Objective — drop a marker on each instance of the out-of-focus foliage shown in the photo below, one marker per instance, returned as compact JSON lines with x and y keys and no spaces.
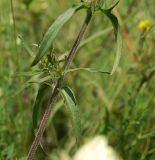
{"x":121,"y":106}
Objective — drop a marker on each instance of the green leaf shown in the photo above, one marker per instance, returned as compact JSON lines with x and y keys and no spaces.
{"x":41,"y":80}
{"x":86,"y":69}
{"x":38,"y":102}
{"x":74,"y":110}
{"x":118,"y":36}
{"x":53,"y":31}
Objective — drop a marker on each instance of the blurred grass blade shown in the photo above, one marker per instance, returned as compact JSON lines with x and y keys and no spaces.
{"x":27,"y":48}
{"x":53,"y":31}
{"x":38,"y":102}
{"x":8,"y":151}
{"x":19,"y":90}
{"x":27,"y":74}
{"x":86,"y":69}
{"x":88,"y":40}
{"x":118,"y":36}
{"x":31,"y":81}
{"x":71,"y":104}
{"x":106,"y":122}
{"x":95,"y":36}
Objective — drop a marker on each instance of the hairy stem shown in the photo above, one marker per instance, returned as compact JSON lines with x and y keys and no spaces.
{"x":56,"y":88}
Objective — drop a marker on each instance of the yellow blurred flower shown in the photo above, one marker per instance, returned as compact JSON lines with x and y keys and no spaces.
{"x":145,"y":25}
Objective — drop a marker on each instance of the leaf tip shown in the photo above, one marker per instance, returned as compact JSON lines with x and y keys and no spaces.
{"x":33,"y":63}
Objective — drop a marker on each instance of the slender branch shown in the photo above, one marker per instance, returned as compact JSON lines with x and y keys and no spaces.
{"x":146,"y":79}
{"x":58,"y":85}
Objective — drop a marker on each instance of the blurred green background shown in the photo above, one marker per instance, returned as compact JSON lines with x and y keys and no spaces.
{"x":121,"y":107}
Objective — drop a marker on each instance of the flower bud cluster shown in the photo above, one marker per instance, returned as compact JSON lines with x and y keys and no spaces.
{"x":95,"y":4}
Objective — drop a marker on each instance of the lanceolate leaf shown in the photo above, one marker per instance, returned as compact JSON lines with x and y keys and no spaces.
{"x":27,"y":74}
{"x":41,"y":80}
{"x":86,"y":69}
{"x":71,"y":104}
{"x":118,"y":37}
{"x":53,"y":31}
{"x":38,"y":102}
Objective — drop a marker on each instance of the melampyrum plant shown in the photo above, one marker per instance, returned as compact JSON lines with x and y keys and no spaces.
{"x":53,"y":70}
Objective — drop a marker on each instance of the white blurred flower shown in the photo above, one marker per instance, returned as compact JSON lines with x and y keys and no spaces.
{"x":18,"y":41}
{"x":96,"y":149}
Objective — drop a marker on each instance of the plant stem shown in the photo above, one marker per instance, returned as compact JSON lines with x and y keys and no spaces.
{"x":57,"y":86}
{"x":14,"y":30}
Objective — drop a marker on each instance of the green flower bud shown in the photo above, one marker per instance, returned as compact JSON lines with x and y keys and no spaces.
{"x":94,"y":4}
